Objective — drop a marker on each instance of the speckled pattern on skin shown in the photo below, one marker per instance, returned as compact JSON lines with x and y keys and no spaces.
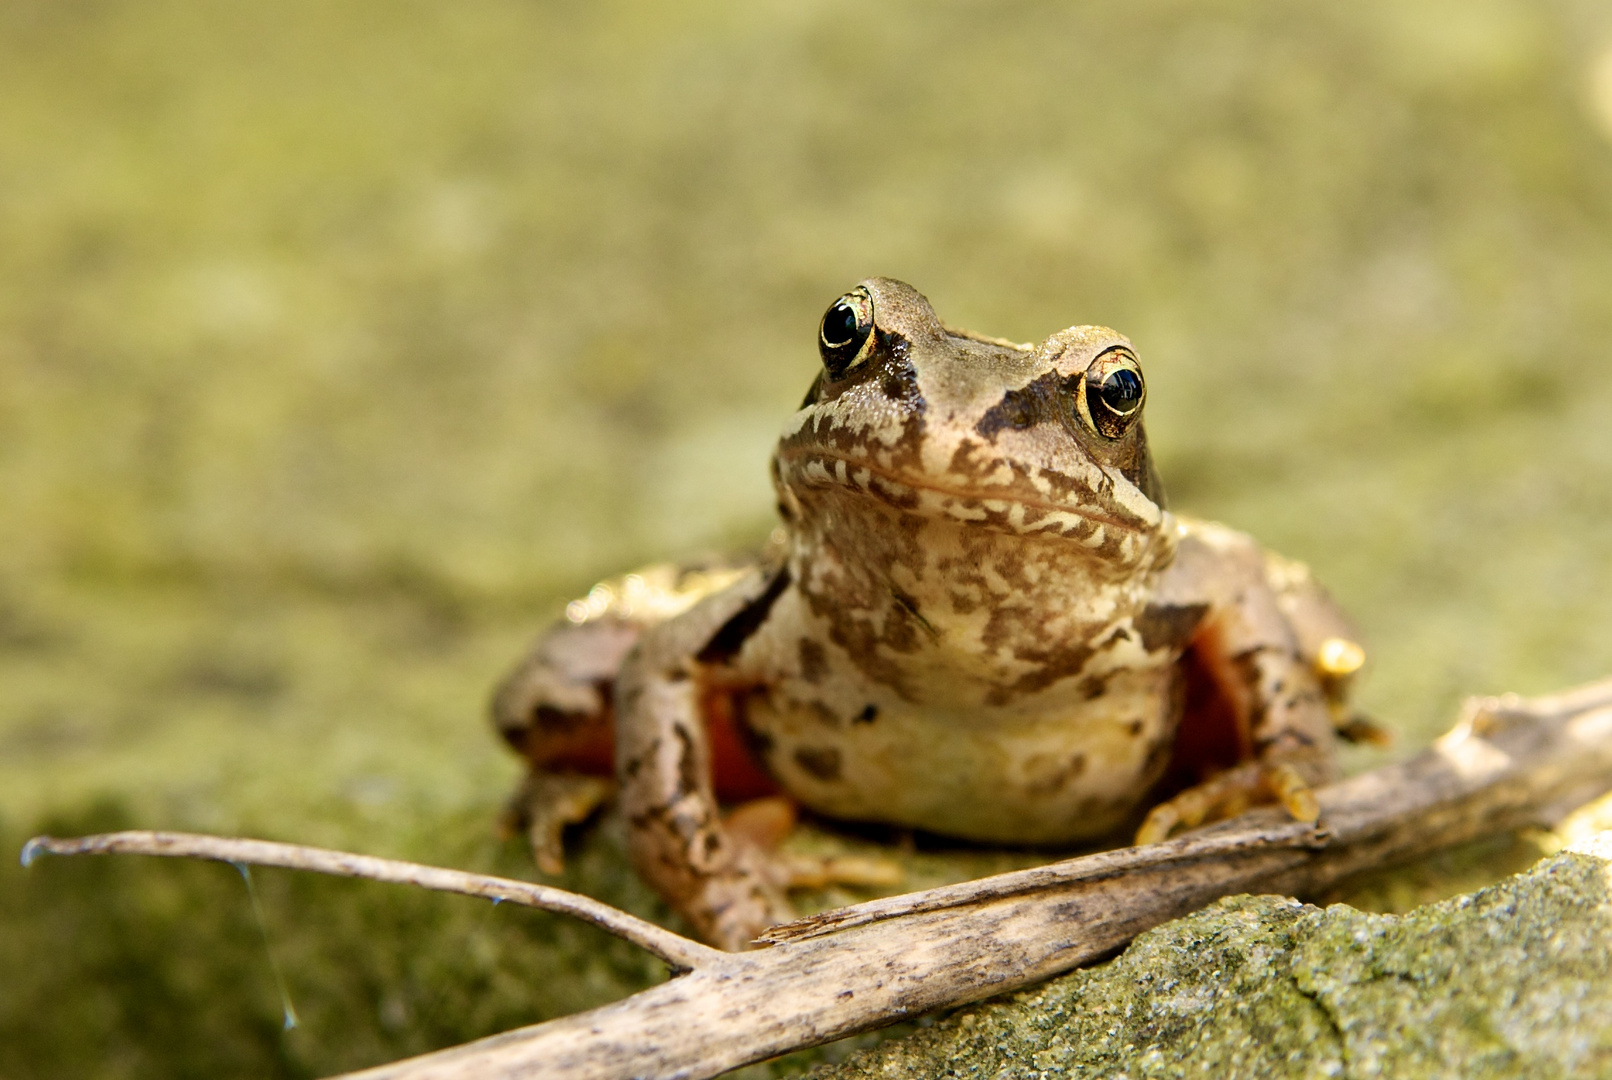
{"x":978,"y":619}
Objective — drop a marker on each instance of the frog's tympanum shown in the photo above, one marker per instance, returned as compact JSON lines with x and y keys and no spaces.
{"x":978,"y":619}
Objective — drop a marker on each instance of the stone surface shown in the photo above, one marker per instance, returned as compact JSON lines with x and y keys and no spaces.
{"x":1513,"y":980}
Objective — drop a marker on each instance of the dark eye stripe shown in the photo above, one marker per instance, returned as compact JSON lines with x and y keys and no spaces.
{"x":1023,"y":408}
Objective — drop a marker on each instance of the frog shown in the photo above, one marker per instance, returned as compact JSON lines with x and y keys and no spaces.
{"x":977,"y":618}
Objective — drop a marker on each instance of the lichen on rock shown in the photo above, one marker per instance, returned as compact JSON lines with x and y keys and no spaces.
{"x":1513,"y":980}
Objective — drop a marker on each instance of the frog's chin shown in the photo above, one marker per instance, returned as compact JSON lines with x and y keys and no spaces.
{"x":1016,"y":507}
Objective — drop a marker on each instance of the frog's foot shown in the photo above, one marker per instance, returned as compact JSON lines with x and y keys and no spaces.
{"x":1228,"y":794}
{"x":763,"y":824}
{"x":821,"y":871}
{"x":1357,"y":728}
{"x":545,"y":804}
{"x":733,"y":906}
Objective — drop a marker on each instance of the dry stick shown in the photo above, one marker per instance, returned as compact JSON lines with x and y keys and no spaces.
{"x":678,"y":951}
{"x":1506,"y":764}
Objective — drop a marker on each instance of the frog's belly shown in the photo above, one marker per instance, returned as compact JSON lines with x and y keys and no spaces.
{"x":1069,"y":772}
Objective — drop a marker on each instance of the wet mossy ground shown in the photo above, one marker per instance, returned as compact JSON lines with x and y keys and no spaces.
{"x":146,"y":968}
{"x":339,"y":344}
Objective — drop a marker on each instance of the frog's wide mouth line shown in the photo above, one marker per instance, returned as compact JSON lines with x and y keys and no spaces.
{"x":796,"y":457}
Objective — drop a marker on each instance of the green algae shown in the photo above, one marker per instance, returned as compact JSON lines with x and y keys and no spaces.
{"x":1514,"y":980}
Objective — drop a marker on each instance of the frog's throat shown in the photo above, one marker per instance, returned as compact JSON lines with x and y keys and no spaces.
{"x":857,"y":475}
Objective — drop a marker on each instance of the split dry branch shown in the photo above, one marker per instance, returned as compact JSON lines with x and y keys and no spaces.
{"x":1508,"y":763}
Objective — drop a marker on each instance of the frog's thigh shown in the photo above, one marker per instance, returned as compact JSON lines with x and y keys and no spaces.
{"x":1327,"y":640}
{"x":663,"y":763}
{"x":1309,"y":609}
{"x":554,"y":708}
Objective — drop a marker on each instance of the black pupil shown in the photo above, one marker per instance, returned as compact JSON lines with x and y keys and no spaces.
{"x":1122,"y":390}
{"x":839,"y":325}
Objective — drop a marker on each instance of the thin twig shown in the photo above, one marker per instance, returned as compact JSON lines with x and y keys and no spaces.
{"x":677,"y":951}
{"x":1506,"y":764}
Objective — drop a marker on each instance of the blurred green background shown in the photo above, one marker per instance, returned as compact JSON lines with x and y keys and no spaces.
{"x":341,"y":342}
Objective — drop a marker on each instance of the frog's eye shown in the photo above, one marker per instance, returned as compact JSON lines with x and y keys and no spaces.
{"x":1114,"y":393}
{"x":842,"y":338}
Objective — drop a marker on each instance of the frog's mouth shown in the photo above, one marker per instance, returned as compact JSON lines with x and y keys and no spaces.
{"x":1019,"y":505}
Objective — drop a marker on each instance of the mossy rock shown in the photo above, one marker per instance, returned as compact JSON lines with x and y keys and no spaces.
{"x":1513,"y":980}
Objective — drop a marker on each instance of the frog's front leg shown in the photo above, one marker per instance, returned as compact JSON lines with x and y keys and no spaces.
{"x":1259,"y":672}
{"x":663,"y":765}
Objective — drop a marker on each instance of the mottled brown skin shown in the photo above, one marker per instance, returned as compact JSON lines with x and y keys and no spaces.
{"x":979,"y":620}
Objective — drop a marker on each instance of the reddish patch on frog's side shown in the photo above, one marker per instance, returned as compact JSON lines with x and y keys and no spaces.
{"x":735,"y":772}
{"x":590,"y":749}
{"x":1213,"y":735}
{"x":574,"y":743}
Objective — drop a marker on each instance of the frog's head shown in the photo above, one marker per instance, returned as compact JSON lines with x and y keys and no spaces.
{"x":1039,"y":440}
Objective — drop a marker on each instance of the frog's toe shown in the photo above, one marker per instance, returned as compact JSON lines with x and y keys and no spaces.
{"x":820,"y":871}
{"x":1195,"y":805}
{"x":763,"y":824}
{"x":1159,"y":823}
{"x":1228,"y":794}
{"x":545,"y":804}
{"x":1357,"y":728}
{"x":1292,"y":791}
